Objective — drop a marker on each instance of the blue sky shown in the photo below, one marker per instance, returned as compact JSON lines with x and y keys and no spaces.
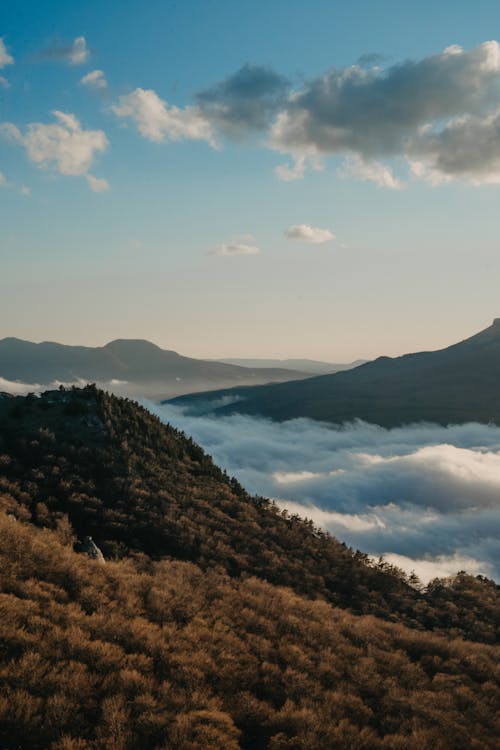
{"x":385,"y":241}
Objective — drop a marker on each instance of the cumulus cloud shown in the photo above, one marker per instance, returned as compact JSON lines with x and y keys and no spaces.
{"x":158,"y":121}
{"x":94,"y":80}
{"x":307,"y":233}
{"x":25,"y":190}
{"x":63,"y":145}
{"x":3,"y":180}
{"x":369,"y":171}
{"x":246,"y":101}
{"x":74,"y":53}
{"x":439,"y":114}
{"x":5,"y":58}
{"x":97,"y":184}
{"x":467,"y":147}
{"x":426,"y":497}
{"x":376,"y":112}
{"x":234,"y":247}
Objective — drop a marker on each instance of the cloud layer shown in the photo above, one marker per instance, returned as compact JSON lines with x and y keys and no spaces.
{"x":427,"y":497}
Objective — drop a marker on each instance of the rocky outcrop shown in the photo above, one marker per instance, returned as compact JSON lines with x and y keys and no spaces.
{"x":92,"y":550}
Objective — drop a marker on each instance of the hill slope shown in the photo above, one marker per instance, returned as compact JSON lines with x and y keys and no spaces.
{"x":163,"y":656}
{"x":453,"y":385}
{"x":210,"y":652}
{"x":138,"y":366}
{"x":138,"y":486}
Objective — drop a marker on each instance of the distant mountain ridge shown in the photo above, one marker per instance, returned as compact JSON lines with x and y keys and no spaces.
{"x":312,"y":366}
{"x":133,"y":361}
{"x":458,"y":384}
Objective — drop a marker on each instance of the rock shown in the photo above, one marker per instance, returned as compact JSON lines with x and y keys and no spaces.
{"x":92,"y":550}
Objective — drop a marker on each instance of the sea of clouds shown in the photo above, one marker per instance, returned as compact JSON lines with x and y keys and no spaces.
{"x":424,"y":496}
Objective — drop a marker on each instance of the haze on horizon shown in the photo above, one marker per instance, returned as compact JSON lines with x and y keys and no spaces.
{"x":253,"y":199}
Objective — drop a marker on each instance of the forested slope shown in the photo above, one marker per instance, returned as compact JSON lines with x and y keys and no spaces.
{"x":216,"y":621}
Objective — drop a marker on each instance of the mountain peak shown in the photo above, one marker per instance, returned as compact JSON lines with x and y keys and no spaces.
{"x":132,"y":344}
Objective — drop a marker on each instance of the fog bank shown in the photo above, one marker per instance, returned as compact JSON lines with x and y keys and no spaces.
{"x":427,"y":497}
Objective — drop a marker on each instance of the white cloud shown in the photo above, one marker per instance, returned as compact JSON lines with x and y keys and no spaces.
{"x":3,"y":180}
{"x":25,"y":190}
{"x":287,"y":173}
{"x":4,"y":82}
{"x":63,"y":145}
{"x":5,"y":58}
{"x":440,"y":566}
{"x":94,"y":80}
{"x":97,"y":184}
{"x":426,"y":497}
{"x":78,"y":53}
{"x":369,"y":171}
{"x":234,"y":248}
{"x":157,"y":121}
{"x":74,"y":53}
{"x":307,"y":233}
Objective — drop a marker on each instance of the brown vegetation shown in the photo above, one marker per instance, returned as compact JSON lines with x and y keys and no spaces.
{"x":143,"y":654}
{"x":187,"y":638}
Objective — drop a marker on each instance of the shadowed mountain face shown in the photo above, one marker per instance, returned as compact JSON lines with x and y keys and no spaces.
{"x":143,"y":367}
{"x":454,"y":385}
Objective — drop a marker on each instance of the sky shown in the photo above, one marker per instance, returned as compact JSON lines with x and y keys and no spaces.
{"x":280,"y":178}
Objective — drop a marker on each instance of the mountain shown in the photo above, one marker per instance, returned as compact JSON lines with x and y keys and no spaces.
{"x":138,"y":486}
{"x":453,"y":385}
{"x":311,"y":366}
{"x":214,"y":621}
{"x":131,"y":367}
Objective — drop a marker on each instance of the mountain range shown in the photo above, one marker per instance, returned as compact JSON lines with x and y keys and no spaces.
{"x":311,"y":366}
{"x":127,"y":366}
{"x":458,"y":384}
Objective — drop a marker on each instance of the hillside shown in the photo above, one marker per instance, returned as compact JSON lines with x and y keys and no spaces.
{"x":164,"y":656}
{"x":450,"y":386}
{"x":136,"y":485}
{"x":216,"y":621}
{"x":131,"y":367}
